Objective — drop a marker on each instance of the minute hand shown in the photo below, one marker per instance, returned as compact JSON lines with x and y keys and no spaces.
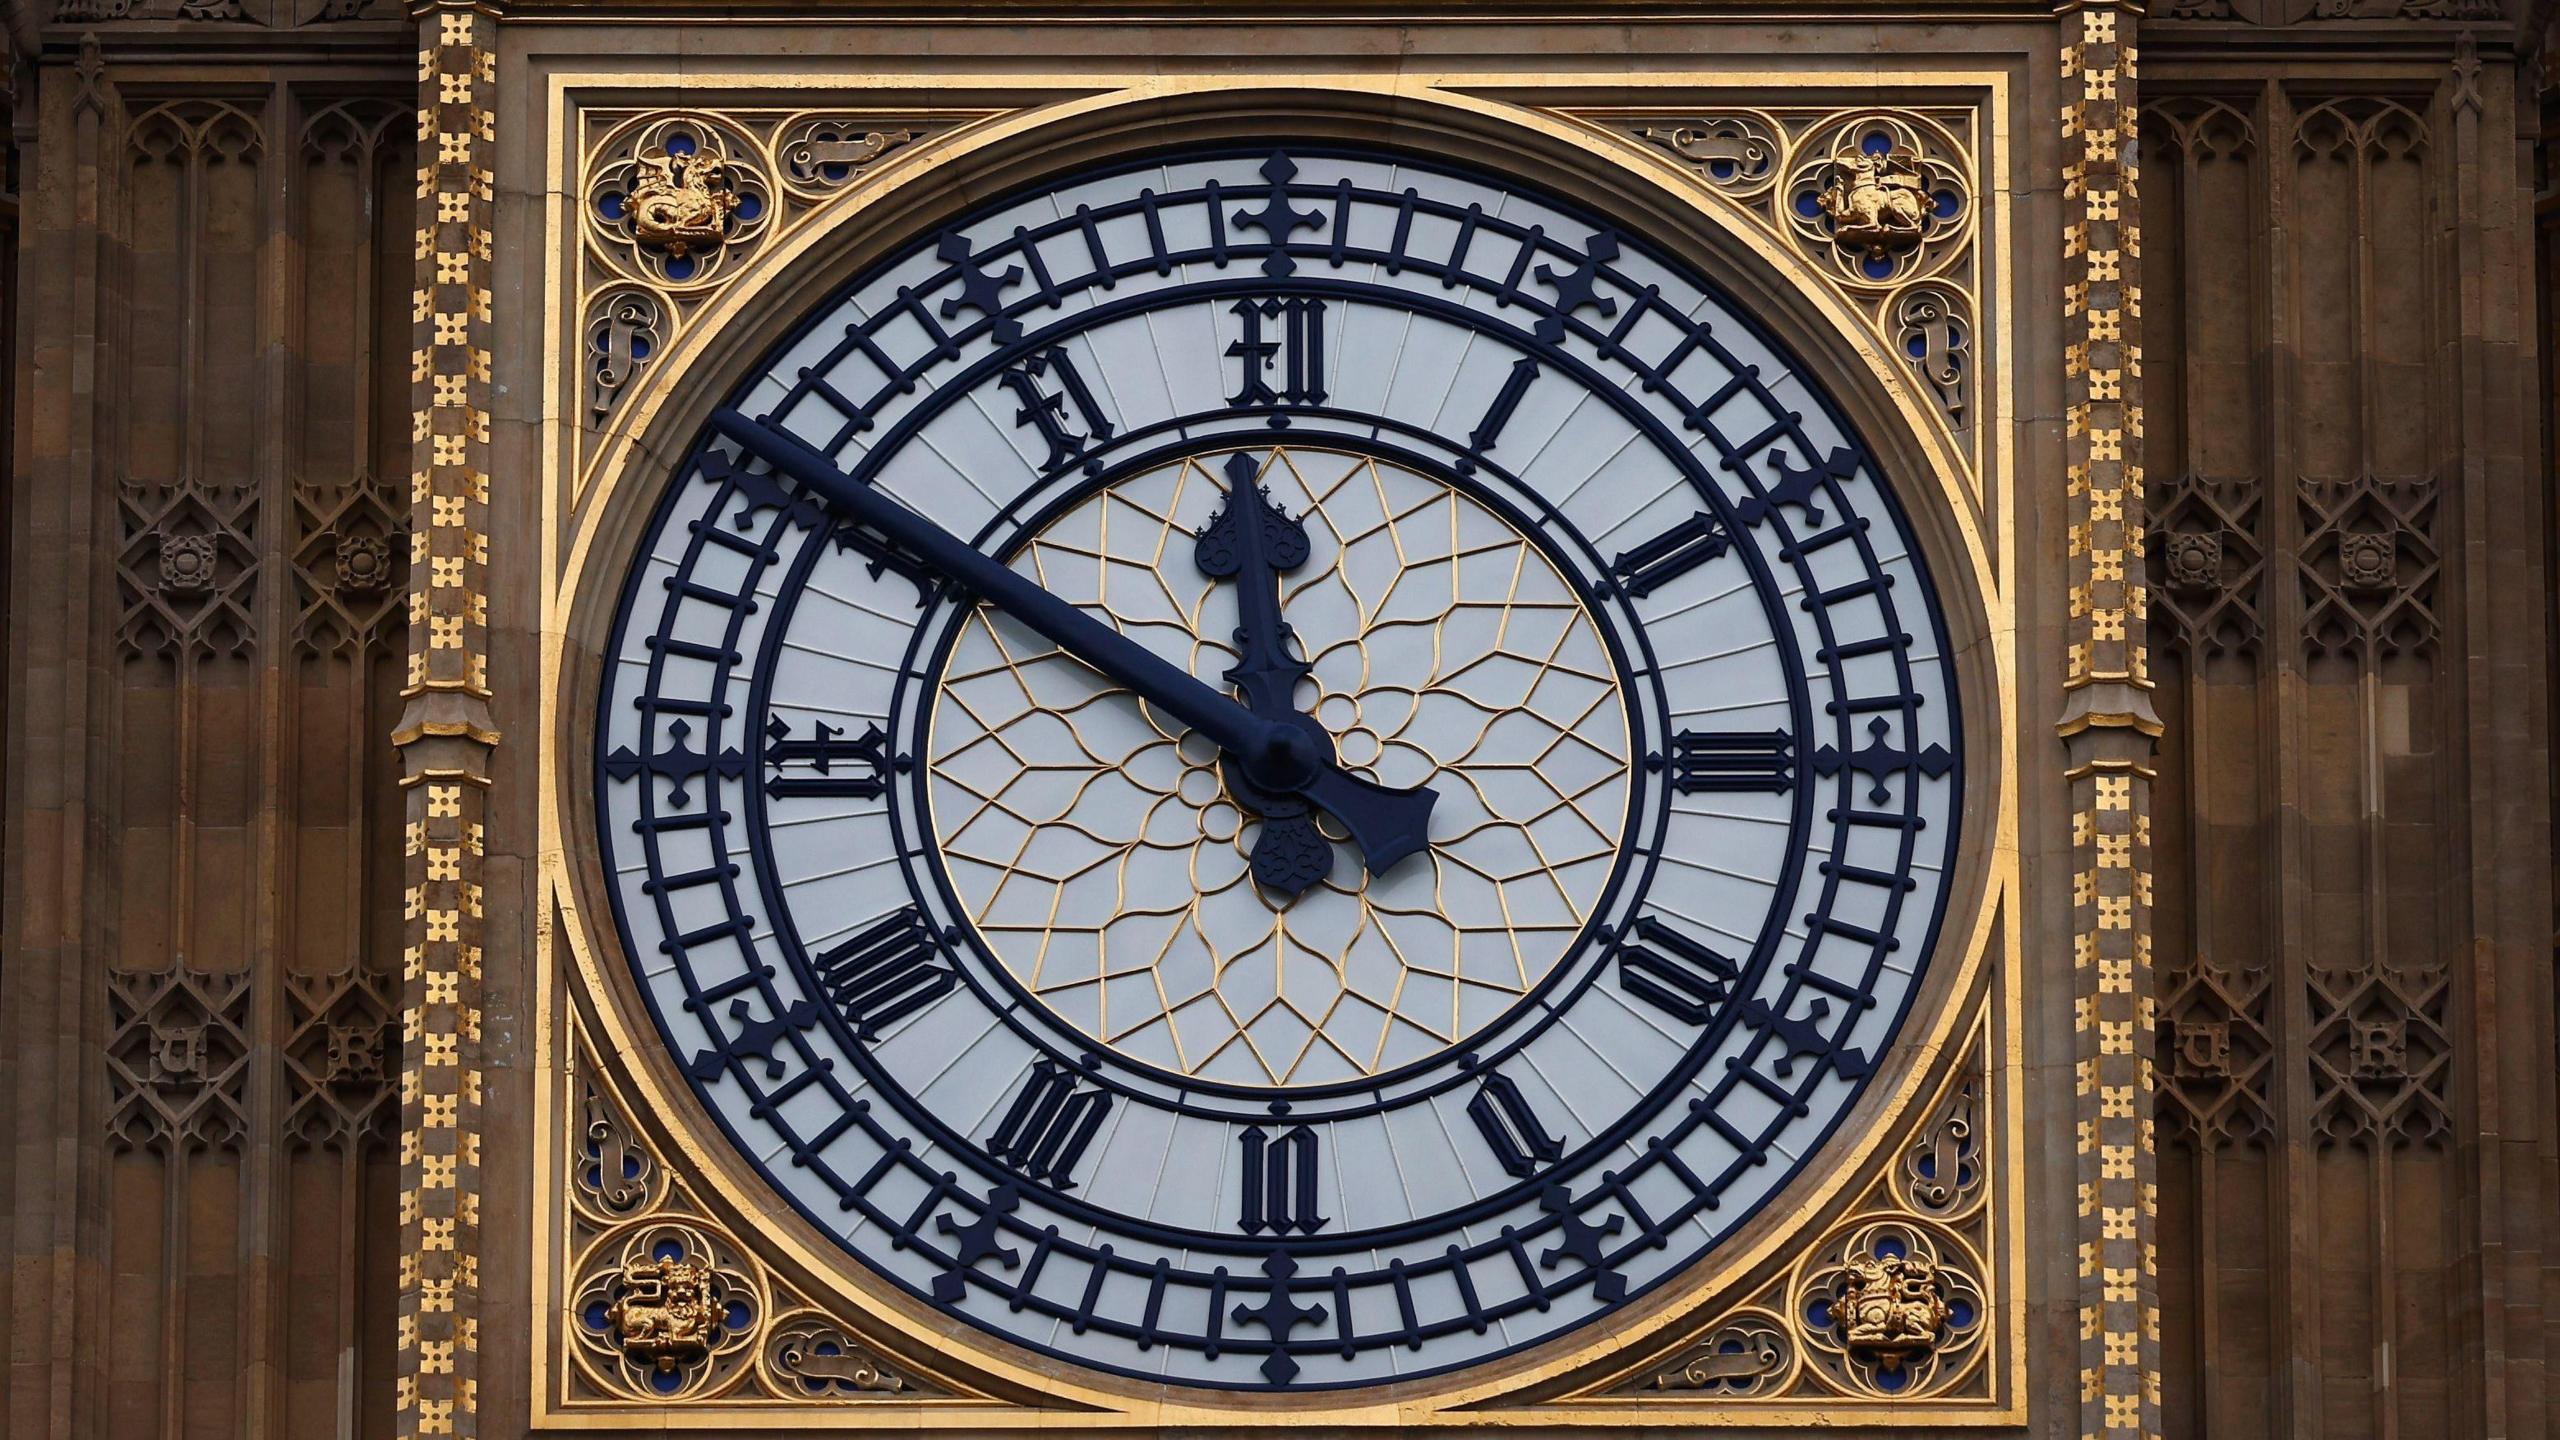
{"x":1386,"y":824}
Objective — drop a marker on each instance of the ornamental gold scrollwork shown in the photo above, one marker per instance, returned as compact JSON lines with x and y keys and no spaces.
{"x":675,"y":204}
{"x":662,"y":1304}
{"x":1749,"y":1354}
{"x":822,"y":155}
{"x":1880,"y":203}
{"x":1891,"y":1302}
{"x":808,"y":1356}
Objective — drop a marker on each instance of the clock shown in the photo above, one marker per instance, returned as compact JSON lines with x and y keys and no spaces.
{"x":1278,"y":769}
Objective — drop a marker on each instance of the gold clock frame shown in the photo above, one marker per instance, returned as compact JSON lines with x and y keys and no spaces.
{"x":1961,"y":1047}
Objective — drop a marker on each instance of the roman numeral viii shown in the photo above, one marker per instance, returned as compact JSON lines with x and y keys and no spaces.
{"x":1051,"y":1123}
{"x":1673,"y":553}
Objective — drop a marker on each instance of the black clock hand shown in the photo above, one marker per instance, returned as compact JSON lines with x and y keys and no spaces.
{"x":1250,"y":542}
{"x":1386,"y":824}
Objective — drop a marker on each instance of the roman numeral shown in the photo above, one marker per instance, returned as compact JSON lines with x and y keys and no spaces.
{"x":1520,"y":1143}
{"x":1703,"y":761}
{"x":1051,"y":1122}
{"x":827,"y":764}
{"x":1294,"y":354}
{"x":1667,"y":969}
{"x":1524,"y":373}
{"x":1673,"y":553}
{"x":886,"y":973}
{"x":1280,"y":1183}
{"x":1047,"y":412}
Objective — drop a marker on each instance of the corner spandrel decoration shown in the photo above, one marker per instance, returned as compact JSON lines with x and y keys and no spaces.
{"x":675,"y":204}
{"x":1881,"y":203}
{"x":665,"y":1305}
{"x":1890,"y":1302}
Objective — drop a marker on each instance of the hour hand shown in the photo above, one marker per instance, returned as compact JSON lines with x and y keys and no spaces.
{"x":1250,"y":542}
{"x":1253,"y":544}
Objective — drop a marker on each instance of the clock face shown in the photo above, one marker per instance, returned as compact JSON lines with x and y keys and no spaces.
{"x":1135,"y":1035}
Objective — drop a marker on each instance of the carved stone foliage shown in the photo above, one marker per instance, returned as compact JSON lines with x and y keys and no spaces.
{"x":676,"y":203}
{"x":664,"y":1305}
{"x":177,"y":1059}
{"x":188,"y":570}
{"x":2368,"y":568}
{"x":1882,"y":203}
{"x":350,"y":567}
{"x":341,"y":1048}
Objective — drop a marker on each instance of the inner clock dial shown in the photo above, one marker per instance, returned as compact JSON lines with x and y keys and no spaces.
{"x":1099,"y":847}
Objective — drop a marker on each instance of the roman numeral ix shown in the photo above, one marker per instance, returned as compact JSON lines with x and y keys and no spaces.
{"x":826,"y":764}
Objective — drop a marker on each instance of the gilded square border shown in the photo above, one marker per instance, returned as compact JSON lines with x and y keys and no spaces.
{"x":1582,"y":1388}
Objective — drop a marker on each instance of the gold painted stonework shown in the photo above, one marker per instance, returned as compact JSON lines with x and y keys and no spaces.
{"x":663,"y":1314}
{"x":676,"y":203}
{"x":1878,"y":201}
{"x":1730,"y":1349}
{"x":1893,"y":1307}
{"x":1881,"y":203}
{"x":667,"y":1305}
{"x":682,"y":202}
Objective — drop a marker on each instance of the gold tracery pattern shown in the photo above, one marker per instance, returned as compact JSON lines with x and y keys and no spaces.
{"x":1098,"y":853}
